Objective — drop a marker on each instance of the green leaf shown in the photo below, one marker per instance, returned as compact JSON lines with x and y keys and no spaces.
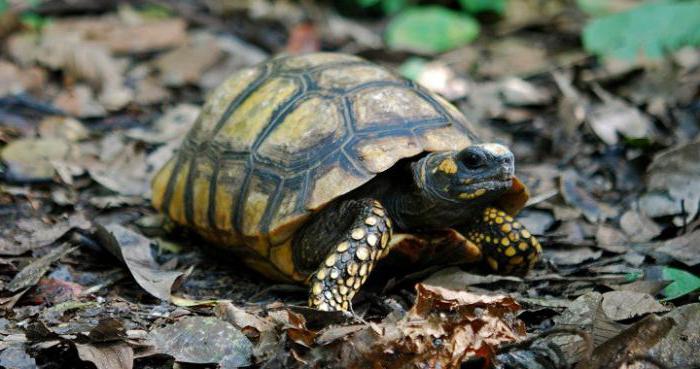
{"x":393,"y":6}
{"x":683,"y":282}
{"x":412,"y":67}
{"x":430,"y":29}
{"x":649,"y":30}
{"x":4,"y":6}
{"x":33,"y":21}
{"x":367,"y":3}
{"x":480,"y":6}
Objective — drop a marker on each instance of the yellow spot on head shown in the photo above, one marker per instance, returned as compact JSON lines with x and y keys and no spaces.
{"x":523,"y":246}
{"x":334,"y":273}
{"x":499,"y":220}
{"x":321,"y":274}
{"x":510,"y":251}
{"x":505,"y":228}
{"x":330,"y":261}
{"x":513,"y":236}
{"x":370,"y":221}
{"x":343,"y":290}
{"x":505,"y":242}
{"x":516,"y":260}
{"x":352,"y":268}
{"x":317,"y":288}
{"x":448,"y":166}
{"x":480,"y":192}
{"x":525,"y":233}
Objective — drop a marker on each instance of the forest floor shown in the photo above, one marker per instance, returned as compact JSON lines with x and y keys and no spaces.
{"x":95,"y":97}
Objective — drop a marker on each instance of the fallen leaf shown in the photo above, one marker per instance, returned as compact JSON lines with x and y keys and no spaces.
{"x":125,"y":172}
{"x":31,"y":233}
{"x":172,"y":125}
{"x":15,"y":357}
{"x":572,"y":256}
{"x":621,"y":305}
{"x":116,"y":355}
{"x":456,"y":279}
{"x":32,"y":273}
{"x":135,"y":250}
{"x":66,"y":128}
{"x":635,"y":340}
{"x":518,"y":92}
{"x":29,"y":159}
{"x":677,"y":282}
{"x":685,"y":248}
{"x":577,"y":196}
{"x":79,"y":101}
{"x":611,"y":239}
{"x":187,"y":63}
{"x":430,"y":29}
{"x":672,"y":179}
{"x":615,"y":117}
{"x":443,"y":329}
{"x":679,"y":347}
{"x":513,"y":56}
{"x":203,"y":340}
{"x":303,"y":38}
{"x":436,"y":76}
{"x":15,"y":80}
{"x":54,"y":291}
{"x":125,"y":36}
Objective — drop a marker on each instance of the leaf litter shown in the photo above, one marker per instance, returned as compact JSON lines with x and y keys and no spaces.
{"x":94,"y":103}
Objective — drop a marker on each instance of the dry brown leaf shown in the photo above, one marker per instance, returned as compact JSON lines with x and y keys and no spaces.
{"x":115,"y":355}
{"x":621,"y":305}
{"x":443,"y":329}
{"x":29,"y":160}
{"x":135,"y":250}
{"x":121,"y":36}
{"x":31,"y":233}
{"x":203,"y":340}
{"x":672,"y":183}
{"x":187,"y":63}
{"x":685,"y":248}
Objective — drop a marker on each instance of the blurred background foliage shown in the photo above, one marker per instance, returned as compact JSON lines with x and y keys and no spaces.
{"x":621,"y":29}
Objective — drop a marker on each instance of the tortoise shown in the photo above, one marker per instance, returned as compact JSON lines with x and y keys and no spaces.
{"x":306,"y":165}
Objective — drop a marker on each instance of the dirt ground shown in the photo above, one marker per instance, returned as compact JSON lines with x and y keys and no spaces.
{"x":95,"y":96}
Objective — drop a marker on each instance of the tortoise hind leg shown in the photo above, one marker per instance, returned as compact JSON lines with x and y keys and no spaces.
{"x":506,"y":246}
{"x":349,"y":238}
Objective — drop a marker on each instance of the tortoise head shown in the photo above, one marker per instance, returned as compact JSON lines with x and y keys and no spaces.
{"x":474,"y":176}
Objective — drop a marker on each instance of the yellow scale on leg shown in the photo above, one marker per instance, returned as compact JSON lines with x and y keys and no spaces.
{"x":349,"y":263}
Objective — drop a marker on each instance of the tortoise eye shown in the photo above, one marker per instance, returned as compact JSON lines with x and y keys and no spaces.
{"x":473,"y":159}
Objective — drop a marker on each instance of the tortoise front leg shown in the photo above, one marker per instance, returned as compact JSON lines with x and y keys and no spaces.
{"x":351,"y":237}
{"x":506,"y":246}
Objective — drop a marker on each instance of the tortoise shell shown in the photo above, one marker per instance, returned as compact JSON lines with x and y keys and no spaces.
{"x":278,"y":141}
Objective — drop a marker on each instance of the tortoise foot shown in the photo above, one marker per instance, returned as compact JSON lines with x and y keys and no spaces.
{"x":506,"y":246}
{"x":348,"y":264}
